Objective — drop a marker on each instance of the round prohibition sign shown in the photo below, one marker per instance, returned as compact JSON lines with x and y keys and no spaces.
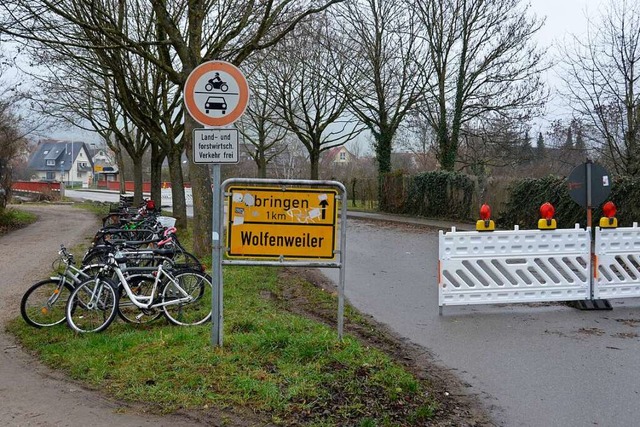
{"x":216,"y":93}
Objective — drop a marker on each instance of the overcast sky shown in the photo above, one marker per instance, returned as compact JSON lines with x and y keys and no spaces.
{"x":562,"y":19}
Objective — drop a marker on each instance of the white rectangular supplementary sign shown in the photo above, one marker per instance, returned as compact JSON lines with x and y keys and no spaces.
{"x":215,"y":146}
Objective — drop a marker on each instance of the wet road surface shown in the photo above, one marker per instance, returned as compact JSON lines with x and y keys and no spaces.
{"x":531,"y":364}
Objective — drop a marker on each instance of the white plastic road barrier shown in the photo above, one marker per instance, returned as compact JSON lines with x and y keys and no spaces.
{"x":514,"y":266}
{"x":617,"y":252}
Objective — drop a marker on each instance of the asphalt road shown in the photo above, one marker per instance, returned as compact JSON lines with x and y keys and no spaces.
{"x":531,"y":365}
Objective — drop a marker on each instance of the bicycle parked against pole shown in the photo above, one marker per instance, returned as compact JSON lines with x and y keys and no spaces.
{"x":44,"y":303}
{"x":182,"y":295}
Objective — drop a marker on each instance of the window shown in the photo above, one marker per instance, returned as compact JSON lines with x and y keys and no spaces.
{"x":51,"y":162}
{"x":51,"y":175}
{"x":343,"y":156}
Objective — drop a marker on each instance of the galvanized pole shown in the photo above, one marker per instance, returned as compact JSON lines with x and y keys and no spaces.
{"x":343,"y":255}
{"x":588,"y":179}
{"x":216,"y":261}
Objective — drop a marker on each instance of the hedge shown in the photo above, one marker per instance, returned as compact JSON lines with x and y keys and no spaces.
{"x":527,"y":195}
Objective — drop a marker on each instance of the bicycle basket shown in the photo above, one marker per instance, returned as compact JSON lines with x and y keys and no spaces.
{"x":166,"y":221}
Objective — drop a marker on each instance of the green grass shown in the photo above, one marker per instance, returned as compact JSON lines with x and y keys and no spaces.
{"x":12,"y":219}
{"x":287,"y":368}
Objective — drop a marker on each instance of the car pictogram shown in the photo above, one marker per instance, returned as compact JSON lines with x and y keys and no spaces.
{"x":215,"y":103}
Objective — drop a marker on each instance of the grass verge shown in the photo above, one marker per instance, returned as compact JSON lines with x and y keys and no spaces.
{"x":13,"y":219}
{"x":288,"y":368}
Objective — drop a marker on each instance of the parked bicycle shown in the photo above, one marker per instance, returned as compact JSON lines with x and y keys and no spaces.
{"x":180,"y":257}
{"x":43,"y":304}
{"x":182,"y":295}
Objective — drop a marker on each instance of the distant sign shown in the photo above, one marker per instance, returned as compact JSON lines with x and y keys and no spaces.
{"x":600,"y":184}
{"x":296,"y":223}
{"x":216,"y":93}
{"x":215,"y":146}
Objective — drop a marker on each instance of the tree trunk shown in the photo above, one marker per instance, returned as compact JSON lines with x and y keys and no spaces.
{"x":314,"y":159}
{"x":177,"y":189}
{"x":383,"y":155}
{"x":137,"y":180}
{"x":202,"y":197}
{"x":448,"y":150}
{"x":262,"y":165}
{"x":120,"y":163}
{"x":353,"y":192}
{"x":157,"y":157}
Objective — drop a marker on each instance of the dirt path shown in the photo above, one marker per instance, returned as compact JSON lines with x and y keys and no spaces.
{"x":31,"y":394}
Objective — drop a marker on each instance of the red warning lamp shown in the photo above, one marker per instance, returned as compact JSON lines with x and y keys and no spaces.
{"x":485,"y":223}
{"x":609,"y":209}
{"x":609,"y":219}
{"x":485,"y":212}
{"x":546,"y":212}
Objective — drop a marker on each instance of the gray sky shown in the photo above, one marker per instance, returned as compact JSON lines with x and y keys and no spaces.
{"x":564,"y":18}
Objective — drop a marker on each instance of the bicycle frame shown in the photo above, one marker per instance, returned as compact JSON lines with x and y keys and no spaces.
{"x":146,"y":301}
{"x":72,"y":276}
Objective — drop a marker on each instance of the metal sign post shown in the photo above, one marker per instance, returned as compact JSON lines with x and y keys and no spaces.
{"x":589,"y":184}
{"x":216,"y":260}
{"x":587,"y":166}
{"x":216,"y":94}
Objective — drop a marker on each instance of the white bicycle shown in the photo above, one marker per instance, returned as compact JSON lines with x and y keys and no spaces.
{"x":183,"y":296}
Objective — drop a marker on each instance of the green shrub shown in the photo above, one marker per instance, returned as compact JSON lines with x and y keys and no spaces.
{"x":440,"y":194}
{"x":527,"y":195}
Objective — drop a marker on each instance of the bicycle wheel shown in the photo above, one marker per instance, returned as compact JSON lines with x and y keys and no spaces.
{"x":92,"y":305}
{"x":185,"y":260}
{"x":98,"y":255}
{"x":131,"y":313}
{"x":45,"y":302}
{"x":198,"y":287}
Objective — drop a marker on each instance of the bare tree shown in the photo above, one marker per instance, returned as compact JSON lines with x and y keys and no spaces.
{"x":261,"y":128}
{"x":14,"y":129}
{"x":384,"y":80}
{"x":292,"y":161}
{"x":498,"y":145}
{"x":309,"y":100}
{"x":88,"y":81}
{"x":12,"y":145}
{"x":602,"y":76}
{"x":485,"y":66}
{"x":193,"y":30}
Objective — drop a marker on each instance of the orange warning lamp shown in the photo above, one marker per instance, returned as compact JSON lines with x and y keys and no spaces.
{"x":609,"y":219}
{"x":485,"y":223}
{"x":547,"y":222}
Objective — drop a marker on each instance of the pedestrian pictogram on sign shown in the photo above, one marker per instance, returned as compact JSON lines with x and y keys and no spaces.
{"x":268,"y":222}
{"x":216,"y":93}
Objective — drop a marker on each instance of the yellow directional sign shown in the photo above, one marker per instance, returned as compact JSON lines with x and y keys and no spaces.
{"x":265,"y":222}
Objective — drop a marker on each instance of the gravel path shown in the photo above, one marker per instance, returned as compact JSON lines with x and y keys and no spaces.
{"x":31,"y":394}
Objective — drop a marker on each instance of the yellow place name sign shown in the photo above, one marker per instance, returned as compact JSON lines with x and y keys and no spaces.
{"x":296,"y":223}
